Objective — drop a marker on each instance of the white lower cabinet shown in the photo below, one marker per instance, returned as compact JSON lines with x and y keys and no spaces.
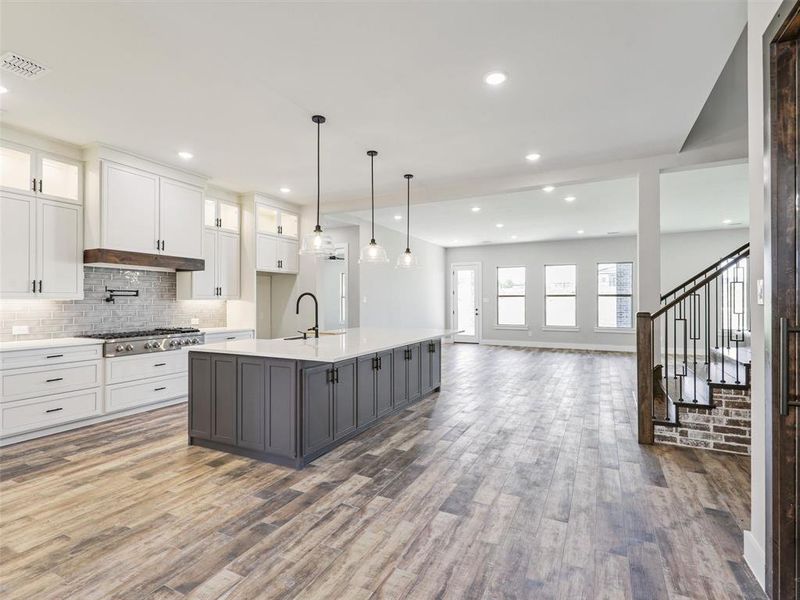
{"x":123,"y":396}
{"x":221,"y":278}
{"x":135,"y":368}
{"x":17,"y":384}
{"x":48,"y":411}
{"x":229,"y":336}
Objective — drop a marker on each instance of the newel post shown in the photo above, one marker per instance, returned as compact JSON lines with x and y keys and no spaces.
{"x":644,"y":377}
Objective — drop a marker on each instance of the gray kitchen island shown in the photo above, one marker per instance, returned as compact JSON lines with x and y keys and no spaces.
{"x":291,"y":401}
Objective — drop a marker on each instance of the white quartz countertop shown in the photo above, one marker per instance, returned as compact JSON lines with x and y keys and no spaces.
{"x":213,"y":330}
{"x":329,"y":348}
{"x":64,"y":342}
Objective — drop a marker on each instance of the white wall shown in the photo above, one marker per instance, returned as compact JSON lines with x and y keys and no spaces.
{"x":683,"y":255}
{"x":393,"y":297}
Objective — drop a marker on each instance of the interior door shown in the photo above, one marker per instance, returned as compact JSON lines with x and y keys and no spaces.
{"x":59,"y":249}
{"x":228,"y":264}
{"x":17,"y":245}
{"x":181,"y":210}
{"x":130,"y":218}
{"x":466,"y":296}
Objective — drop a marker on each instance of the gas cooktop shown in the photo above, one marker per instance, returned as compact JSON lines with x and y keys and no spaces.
{"x":161,"y":339}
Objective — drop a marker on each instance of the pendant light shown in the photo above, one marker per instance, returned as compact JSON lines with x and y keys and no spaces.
{"x":407,"y":260}
{"x":373,"y":252}
{"x":317,"y":243}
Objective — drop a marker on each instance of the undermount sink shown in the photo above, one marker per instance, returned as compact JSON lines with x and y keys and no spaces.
{"x":311,"y":334}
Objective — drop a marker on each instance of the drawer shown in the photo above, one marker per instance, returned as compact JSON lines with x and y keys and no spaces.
{"x":16,"y":384}
{"x":38,"y":413}
{"x":215,"y":338}
{"x":129,"y":395}
{"x":143,"y":366}
{"x":49,"y":356}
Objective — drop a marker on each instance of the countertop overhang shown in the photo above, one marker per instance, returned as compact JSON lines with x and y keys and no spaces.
{"x":328,"y":348}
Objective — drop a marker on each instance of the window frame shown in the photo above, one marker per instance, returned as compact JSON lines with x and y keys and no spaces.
{"x":603,"y":329}
{"x":545,"y":326}
{"x":497,"y":296}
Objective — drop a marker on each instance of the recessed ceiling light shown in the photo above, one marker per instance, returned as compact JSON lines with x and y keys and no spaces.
{"x":398,"y":217}
{"x":476,"y":209}
{"x":580,"y":231}
{"x":499,"y":225}
{"x":3,"y":90}
{"x":185,"y":155}
{"x":533,"y":157}
{"x":285,"y":190}
{"x":569,"y":198}
{"x":727,"y":221}
{"x":513,"y":237}
{"x":495,"y":78}
{"x":548,"y":188}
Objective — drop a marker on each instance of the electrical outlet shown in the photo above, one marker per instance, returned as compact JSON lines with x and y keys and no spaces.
{"x":195,"y":321}
{"x":20,"y":330}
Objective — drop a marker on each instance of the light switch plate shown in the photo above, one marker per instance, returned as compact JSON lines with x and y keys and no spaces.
{"x":20,"y":330}
{"x":195,"y":321}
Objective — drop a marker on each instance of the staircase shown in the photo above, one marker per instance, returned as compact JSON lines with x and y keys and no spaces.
{"x":693,"y":357}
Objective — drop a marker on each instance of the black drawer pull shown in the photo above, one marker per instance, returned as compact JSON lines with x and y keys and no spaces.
{"x":158,"y":389}
{"x":54,"y":379}
{"x":55,"y":356}
{"x":160,"y":365}
{"x":49,"y":410}
{"x":233,"y":337}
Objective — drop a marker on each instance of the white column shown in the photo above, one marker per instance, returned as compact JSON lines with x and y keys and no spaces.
{"x":648,"y":241}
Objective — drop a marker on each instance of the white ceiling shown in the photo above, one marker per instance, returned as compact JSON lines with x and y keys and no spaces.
{"x":237,"y":83}
{"x":694,"y":200}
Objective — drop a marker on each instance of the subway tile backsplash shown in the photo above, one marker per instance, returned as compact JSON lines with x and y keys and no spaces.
{"x":155,"y":306}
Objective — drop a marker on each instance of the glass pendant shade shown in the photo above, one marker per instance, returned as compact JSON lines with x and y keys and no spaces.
{"x":373,"y":253}
{"x":317,"y":243}
{"x":407,"y":260}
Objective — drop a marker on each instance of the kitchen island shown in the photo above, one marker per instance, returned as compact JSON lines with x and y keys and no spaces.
{"x":291,"y":401}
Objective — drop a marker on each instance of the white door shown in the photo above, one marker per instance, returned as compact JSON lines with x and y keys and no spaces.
{"x":204,"y":283}
{"x":266,"y":253}
{"x":287,"y":255}
{"x":17,"y":246}
{"x":16,"y":168}
{"x":181,"y":219}
{"x":466,"y":296}
{"x":228,"y":264}
{"x":59,"y":250}
{"x":130,"y":204}
{"x":60,"y":178}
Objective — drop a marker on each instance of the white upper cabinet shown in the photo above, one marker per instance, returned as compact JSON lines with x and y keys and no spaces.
{"x":289,"y":224}
{"x":41,"y":248}
{"x":266,"y":219}
{"x":180,"y":219}
{"x":130,"y":205}
{"x":277,"y":230}
{"x":287,"y":256}
{"x":221,"y":277}
{"x":228,"y":270}
{"x":222,"y":214}
{"x":24,"y":169}
{"x":266,"y":252}
{"x":210,"y":212}
{"x":204,"y":283}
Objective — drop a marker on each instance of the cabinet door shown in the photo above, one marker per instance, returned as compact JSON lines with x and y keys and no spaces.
{"x":383,"y":383}
{"x":413,"y":373}
{"x":181,"y":219}
{"x":344,"y":398}
{"x":317,"y":408}
{"x":59,"y":249}
{"x":266,"y":253}
{"x":130,"y":209}
{"x":209,"y":212}
{"x":229,"y":216}
{"x":281,"y":420}
{"x":365,"y":390}
{"x":200,"y":395}
{"x":266,"y":219}
{"x":287,"y":255}
{"x":436,"y":364}
{"x":17,"y":245}
{"x":223,"y":407}
{"x":425,"y":367}
{"x":290,"y":224}
{"x":252,"y":396}
{"x":399,"y":382}
{"x":16,"y":168}
{"x":204,"y":283}
{"x":60,"y":177}
{"x":228,"y":264}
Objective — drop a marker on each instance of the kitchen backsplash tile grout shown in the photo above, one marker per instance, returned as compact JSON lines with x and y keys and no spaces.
{"x":156,"y":306}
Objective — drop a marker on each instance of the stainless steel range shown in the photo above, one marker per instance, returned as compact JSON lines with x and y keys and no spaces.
{"x":126,"y":343}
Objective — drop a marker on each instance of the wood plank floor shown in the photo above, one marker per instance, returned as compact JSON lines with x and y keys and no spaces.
{"x":521,"y":479}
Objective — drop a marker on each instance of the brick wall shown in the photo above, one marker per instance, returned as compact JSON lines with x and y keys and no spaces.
{"x":725,"y":428}
{"x":156,"y":306}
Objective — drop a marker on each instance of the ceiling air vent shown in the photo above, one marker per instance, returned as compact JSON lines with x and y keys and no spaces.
{"x":21,"y":66}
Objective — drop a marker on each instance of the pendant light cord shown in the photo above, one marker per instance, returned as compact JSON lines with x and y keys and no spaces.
{"x":372,"y":185}
{"x":318,"y":124}
{"x":408,"y":213}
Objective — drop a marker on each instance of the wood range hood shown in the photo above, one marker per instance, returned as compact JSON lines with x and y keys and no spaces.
{"x":124,"y":258}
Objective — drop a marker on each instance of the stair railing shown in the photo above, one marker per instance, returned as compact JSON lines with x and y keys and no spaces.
{"x":705,"y":322}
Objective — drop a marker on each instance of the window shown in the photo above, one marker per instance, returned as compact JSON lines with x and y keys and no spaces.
{"x":511,"y":295}
{"x":560,"y":305}
{"x":614,"y":295}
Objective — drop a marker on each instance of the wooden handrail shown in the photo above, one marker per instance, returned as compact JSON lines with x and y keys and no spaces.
{"x":716,"y":265}
{"x":695,"y":287}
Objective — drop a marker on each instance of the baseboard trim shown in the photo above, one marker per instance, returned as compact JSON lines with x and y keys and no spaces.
{"x":559,"y":345}
{"x":755,"y":558}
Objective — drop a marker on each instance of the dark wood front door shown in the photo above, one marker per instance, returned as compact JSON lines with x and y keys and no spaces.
{"x":782,"y":317}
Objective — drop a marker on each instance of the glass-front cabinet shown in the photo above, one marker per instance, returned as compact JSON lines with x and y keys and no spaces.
{"x":277,"y":230}
{"x":276,"y":221}
{"x":222,"y":214}
{"x":32,"y":171}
